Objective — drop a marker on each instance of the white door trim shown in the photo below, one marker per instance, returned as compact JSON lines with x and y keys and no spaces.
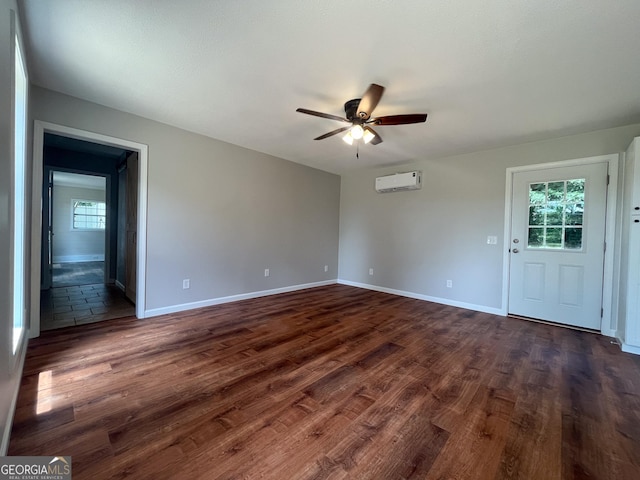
{"x":40,"y":128}
{"x":607,"y":326}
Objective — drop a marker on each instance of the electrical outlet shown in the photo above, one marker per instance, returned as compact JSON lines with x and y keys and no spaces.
{"x":492,"y":240}
{"x":326,"y":268}
{"x":186,"y":283}
{"x":449,"y":283}
{"x":371,"y":271}
{"x":266,"y":272}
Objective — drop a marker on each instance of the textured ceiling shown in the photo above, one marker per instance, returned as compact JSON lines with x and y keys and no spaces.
{"x":488,"y":72}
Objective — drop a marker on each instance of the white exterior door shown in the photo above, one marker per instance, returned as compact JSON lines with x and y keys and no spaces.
{"x":557,"y":244}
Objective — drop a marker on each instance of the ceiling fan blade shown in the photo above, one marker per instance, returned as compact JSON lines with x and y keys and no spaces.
{"x":369,"y":101}
{"x":323,"y":115}
{"x":400,"y":119}
{"x":376,"y":138}
{"x":334,"y":132}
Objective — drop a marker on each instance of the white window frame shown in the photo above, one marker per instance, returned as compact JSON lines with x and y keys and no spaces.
{"x":76,"y":229}
{"x":564,"y":226}
{"x":20,"y":109}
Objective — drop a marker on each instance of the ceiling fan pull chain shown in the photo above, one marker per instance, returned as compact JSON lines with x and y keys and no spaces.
{"x":358,"y":149}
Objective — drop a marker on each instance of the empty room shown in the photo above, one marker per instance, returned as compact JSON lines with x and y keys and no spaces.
{"x":307,"y":240}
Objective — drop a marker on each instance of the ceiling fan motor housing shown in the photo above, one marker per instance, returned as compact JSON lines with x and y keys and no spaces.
{"x":351,"y":109}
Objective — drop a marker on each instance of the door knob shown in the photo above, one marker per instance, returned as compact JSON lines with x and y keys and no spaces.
{"x":515,"y":250}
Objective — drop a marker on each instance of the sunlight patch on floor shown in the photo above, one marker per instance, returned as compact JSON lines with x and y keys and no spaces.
{"x":45,"y":385}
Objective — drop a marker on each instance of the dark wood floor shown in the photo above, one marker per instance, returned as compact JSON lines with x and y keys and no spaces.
{"x":333,"y":382}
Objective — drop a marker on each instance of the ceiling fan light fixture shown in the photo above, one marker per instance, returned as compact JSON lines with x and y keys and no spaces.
{"x":367,"y":136}
{"x":348,"y":138}
{"x":358,"y":115}
{"x":357,"y":132}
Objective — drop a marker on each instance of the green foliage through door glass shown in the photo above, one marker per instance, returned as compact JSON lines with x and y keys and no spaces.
{"x":556,"y":213}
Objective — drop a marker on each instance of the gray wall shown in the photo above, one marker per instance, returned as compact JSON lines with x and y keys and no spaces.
{"x":417,"y":240}
{"x":70,"y":245}
{"x":218,"y":214}
{"x":10,"y":364}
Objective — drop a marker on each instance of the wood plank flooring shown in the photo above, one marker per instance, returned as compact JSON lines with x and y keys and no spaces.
{"x":331,"y":383}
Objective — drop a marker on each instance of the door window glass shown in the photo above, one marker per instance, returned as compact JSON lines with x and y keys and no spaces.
{"x":556,"y":210}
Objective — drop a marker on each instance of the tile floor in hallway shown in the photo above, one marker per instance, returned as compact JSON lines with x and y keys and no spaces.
{"x":66,"y":306}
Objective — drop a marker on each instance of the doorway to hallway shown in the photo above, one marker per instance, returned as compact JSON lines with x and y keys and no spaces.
{"x":82,"y":225}
{"x":38,"y":259}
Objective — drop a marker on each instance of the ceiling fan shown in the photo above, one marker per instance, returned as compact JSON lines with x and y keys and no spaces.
{"x":358,"y":114}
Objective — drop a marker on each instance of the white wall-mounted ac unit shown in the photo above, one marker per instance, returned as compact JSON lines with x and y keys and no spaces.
{"x":399,"y":181}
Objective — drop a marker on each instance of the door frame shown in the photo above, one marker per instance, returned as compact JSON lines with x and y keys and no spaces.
{"x":40,"y":128}
{"x":609,"y":306}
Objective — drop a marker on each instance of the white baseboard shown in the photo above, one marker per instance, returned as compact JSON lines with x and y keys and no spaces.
{"x":78,"y":258}
{"x":263,"y":293}
{"x":154,"y":312}
{"x":419,"y":296}
{"x":119,"y":285}
{"x":625,"y":347}
{"x":630,"y":348}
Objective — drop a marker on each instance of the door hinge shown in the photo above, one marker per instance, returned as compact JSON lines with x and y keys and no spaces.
{"x":608,"y":179}
{"x":601,"y":312}
{"x":605,"y":246}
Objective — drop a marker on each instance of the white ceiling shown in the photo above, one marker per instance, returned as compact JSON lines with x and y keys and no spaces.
{"x":489,"y":73}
